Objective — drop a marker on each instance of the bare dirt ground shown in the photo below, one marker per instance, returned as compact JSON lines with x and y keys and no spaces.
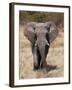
{"x":55,"y":58}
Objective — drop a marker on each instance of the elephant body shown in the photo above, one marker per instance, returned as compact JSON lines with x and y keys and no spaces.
{"x":40,"y":35}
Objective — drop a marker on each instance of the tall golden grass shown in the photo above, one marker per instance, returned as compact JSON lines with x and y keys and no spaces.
{"x":55,"y":58}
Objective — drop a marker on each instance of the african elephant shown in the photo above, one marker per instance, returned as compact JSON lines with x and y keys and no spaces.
{"x":40,"y":35}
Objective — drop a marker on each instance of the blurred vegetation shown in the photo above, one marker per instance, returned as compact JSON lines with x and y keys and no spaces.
{"x":28,"y":16}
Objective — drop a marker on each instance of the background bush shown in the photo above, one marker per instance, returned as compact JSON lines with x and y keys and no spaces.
{"x":28,"y":16}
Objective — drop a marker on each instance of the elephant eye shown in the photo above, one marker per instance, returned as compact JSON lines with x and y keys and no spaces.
{"x":48,"y":28}
{"x":34,"y":28}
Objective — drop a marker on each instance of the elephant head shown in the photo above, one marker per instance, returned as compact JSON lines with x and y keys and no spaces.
{"x":40,"y":35}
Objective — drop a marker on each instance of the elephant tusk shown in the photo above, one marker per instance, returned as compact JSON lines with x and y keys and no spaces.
{"x":36,"y":43}
{"x":47,"y":42}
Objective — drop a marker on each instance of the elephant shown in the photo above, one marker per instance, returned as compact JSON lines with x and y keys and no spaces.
{"x":40,"y":35}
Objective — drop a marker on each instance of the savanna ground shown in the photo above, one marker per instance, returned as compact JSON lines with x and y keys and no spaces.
{"x":55,"y":58}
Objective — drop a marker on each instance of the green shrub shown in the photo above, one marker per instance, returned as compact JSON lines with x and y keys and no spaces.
{"x":32,"y":16}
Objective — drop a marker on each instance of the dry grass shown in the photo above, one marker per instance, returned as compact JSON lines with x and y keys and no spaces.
{"x":55,"y":59}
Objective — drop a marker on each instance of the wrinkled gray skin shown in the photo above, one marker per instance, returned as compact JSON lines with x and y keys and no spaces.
{"x":40,"y":35}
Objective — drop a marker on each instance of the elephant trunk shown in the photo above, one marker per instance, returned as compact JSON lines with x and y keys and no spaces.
{"x":43,"y":58}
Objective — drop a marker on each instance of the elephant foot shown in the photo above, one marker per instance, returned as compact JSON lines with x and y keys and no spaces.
{"x":35,"y":66}
{"x":44,"y":65}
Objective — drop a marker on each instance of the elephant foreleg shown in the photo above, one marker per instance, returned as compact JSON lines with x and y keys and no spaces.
{"x":46,"y":52}
{"x":35,"y":58}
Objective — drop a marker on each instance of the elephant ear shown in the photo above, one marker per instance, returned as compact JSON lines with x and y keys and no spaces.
{"x":52,"y":31}
{"x":29,"y":31}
